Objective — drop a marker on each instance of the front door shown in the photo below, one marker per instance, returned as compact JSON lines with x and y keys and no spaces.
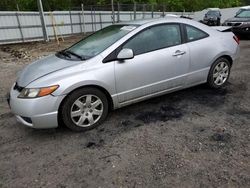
{"x":160,"y":63}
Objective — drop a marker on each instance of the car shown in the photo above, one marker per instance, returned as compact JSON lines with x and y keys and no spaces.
{"x":172,"y":15}
{"x":241,"y":9}
{"x":120,"y":65}
{"x":240,"y":23}
{"x":178,"y":16}
{"x":212,"y":17}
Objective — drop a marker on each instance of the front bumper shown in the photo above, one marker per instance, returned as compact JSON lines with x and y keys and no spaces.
{"x":238,"y":28}
{"x":241,"y":30}
{"x":40,"y":113}
{"x":210,"y":22}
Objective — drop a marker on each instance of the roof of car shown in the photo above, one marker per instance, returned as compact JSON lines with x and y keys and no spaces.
{"x":246,"y":7}
{"x":154,"y":20}
{"x":169,"y":20}
{"x":139,"y":22}
{"x":213,"y":9}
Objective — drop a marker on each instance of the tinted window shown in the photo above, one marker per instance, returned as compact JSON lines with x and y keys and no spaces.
{"x":154,"y":38}
{"x":195,"y":34}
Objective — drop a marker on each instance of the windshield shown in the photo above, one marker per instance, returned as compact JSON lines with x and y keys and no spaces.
{"x":99,"y":41}
{"x":244,"y":14}
{"x":213,"y":13}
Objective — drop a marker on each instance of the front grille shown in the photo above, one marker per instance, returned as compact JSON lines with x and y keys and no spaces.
{"x":236,"y":24}
{"x":18,"y":88}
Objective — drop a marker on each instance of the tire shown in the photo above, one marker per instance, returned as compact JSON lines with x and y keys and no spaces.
{"x":84,"y":109}
{"x":219,"y":73}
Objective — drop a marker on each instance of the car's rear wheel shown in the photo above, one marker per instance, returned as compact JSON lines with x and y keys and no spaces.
{"x":84,"y":109}
{"x":219,"y":73}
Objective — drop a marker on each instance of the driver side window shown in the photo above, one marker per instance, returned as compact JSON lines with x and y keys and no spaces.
{"x":154,"y":38}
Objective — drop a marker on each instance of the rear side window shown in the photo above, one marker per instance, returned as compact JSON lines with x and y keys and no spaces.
{"x":154,"y":38}
{"x":195,"y":33}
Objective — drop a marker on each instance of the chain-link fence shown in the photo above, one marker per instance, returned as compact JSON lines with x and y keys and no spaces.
{"x":135,"y":11}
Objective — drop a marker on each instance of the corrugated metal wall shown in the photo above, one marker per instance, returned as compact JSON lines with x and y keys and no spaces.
{"x":26,"y":26}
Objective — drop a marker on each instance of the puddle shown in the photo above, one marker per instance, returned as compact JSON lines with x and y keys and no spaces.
{"x":92,"y":144}
{"x":221,"y":137}
{"x":165,"y":113}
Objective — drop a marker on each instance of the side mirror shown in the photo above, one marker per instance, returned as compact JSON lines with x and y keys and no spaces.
{"x":125,"y":53}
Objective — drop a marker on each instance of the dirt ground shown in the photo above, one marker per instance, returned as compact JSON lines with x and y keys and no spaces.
{"x":197,"y":137}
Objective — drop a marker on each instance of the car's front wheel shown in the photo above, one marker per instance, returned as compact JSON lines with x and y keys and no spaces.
{"x":84,"y":109}
{"x":219,"y":73}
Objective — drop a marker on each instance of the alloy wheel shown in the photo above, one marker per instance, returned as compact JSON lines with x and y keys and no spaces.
{"x":86,"y":110}
{"x":220,"y":73}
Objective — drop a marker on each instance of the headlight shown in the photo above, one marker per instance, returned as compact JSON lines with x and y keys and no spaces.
{"x":246,"y":23}
{"x":37,"y":92}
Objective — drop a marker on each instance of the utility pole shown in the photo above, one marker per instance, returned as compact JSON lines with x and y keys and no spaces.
{"x":40,"y":8}
{"x":113,"y":11}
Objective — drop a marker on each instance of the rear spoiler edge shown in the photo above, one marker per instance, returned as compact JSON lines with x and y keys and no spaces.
{"x":222,"y":28}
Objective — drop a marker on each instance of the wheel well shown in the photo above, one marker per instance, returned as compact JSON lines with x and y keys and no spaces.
{"x":110,"y":101}
{"x":228,"y":58}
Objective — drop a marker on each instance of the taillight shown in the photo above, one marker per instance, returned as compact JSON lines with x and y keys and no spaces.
{"x":237,"y":39}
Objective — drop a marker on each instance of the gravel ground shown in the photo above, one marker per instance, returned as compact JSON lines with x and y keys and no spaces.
{"x":197,"y":137}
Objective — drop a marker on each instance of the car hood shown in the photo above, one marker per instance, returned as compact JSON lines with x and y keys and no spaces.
{"x":235,"y":19}
{"x":41,"y":68}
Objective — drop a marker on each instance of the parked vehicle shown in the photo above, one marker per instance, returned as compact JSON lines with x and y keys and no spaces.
{"x":178,"y":16}
{"x":241,"y":9}
{"x":212,"y":17}
{"x":119,"y":65}
{"x":240,"y":23}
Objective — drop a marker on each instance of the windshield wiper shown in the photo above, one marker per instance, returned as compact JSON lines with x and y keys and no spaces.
{"x":64,"y":53}
{"x":76,"y":55}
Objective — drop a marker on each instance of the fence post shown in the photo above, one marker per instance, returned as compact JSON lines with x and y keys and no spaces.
{"x":164,"y":10}
{"x":95,"y":18}
{"x":40,"y":7}
{"x":80,"y":21}
{"x":71,"y":24}
{"x":19,"y":26}
{"x":118,"y":12}
{"x":134,"y":10}
{"x":83,"y":21}
{"x":100,"y":19}
{"x":152,"y":11}
{"x":113,"y":11}
{"x":92,"y":20}
{"x":143,"y":9}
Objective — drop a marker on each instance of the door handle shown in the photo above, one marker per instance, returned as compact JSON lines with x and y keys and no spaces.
{"x":179,"y":53}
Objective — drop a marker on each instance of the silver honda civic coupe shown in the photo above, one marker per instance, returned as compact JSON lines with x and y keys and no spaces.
{"x":119,"y":65}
